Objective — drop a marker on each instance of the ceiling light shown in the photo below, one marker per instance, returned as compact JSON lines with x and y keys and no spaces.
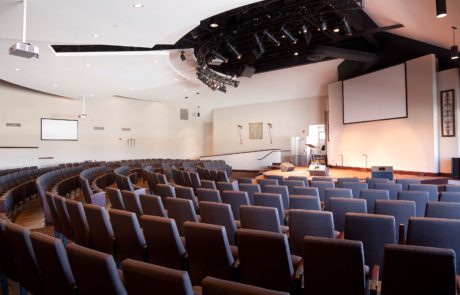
{"x":88,"y":65}
{"x":175,"y":79}
{"x":271,"y":37}
{"x":323,"y":25}
{"x":214,"y":25}
{"x":454,"y":48}
{"x":308,"y":35}
{"x":346,"y":27}
{"x":96,"y":35}
{"x":260,"y":47}
{"x":441,"y":8}
{"x":17,"y":69}
{"x":234,"y":50}
{"x":288,"y":35}
{"x":131,"y":88}
{"x":296,"y":53}
{"x":91,"y":95}
{"x":138,"y":5}
{"x":55,"y":85}
{"x":182,"y":55}
{"x":155,"y":61}
{"x":336,"y":29}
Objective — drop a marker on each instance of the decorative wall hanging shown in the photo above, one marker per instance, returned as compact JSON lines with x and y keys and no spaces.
{"x":256,"y":130}
{"x":448,"y":113}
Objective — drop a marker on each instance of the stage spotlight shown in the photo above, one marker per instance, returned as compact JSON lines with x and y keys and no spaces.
{"x":441,"y":8}
{"x":323,"y":25}
{"x":237,"y":54}
{"x":259,"y":44}
{"x":219,"y":56}
{"x":288,"y":35}
{"x":346,"y":27}
{"x":271,"y":37}
{"x":182,"y":55}
{"x":308,"y":35}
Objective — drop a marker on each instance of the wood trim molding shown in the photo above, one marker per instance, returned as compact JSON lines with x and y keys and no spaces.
{"x":418,"y":173}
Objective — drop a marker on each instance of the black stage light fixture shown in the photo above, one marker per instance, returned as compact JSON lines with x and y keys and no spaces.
{"x":441,"y":8}
{"x":259,"y":44}
{"x":237,"y":54}
{"x":323,"y":25}
{"x":288,"y":35}
{"x":182,"y":55}
{"x":346,"y":27}
{"x":454,"y":48}
{"x":271,"y":37}
{"x":220,"y":56}
{"x":308,"y":35}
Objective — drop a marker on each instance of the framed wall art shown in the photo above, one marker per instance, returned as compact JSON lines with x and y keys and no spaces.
{"x":448,"y":113}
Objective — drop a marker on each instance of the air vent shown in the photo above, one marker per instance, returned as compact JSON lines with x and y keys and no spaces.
{"x":125,"y":129}
{"x":98,"y":128}
{"x":184,"y":114}
{"x":13,"y":124}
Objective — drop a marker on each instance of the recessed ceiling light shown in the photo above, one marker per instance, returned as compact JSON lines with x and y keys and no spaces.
{"x":96,"y":35}
{"x":17,"y":69}
{"x":296,"y":53}
{"x":214,"y":25}
{"x":185,"y":90}
{"x":138,"y":5}
{"x":167,"y":97}
{"x":91,"y":95}
{"x":155,"y":61}
{"x":175,"y":79}
{"x":55,"y":85}
{"x":88,"y":65}
{"x":131,"y":88}
{"x":336,"y":30}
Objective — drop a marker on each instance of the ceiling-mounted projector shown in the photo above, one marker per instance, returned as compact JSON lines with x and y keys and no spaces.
{"x":26,"y":50}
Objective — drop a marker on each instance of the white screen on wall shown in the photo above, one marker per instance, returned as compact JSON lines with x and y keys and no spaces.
{"x":380,"y":95}
{"x":56,"y":129}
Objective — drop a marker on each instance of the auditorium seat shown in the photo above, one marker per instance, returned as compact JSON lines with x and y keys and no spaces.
{"x":301,"y":178}
{"x":227,"y":186}
{"x":107,"y":281}
{"x":251,"y":189}
{"x":266,"y":261}
{"x":222,"y":176}
{"x":333,"y":266}
{"x":208,"y":195}
{"x":435,"y":232}
{"x":209,"y":253}
{"x":141,"y":278}
{"x":245,"y":180}
{"x":405,"y":183}
{"x":187,"y":193}
{"x":165,"y":191}
{"x":340,"y":206}
{"x":260,"y":218}
{"x":336,"y":192}
{"x":399,"y":209}
{"x":79,"y":222}
{"x":271,"y":200}
{"x":322,"y":178}
{"x":26,"y":262}
{"x":309,"y":223}
{"x":235,"y":199}
{"x":449,"y":197}
{"x":372,"y":195}
{"x":63,"y":216}
{"x":152,"y":205}
{"x":419,"y":197}
{"x":356,"y":187}
{"x":56,"y":274}
{"x":282,"y":190}
{"x":374,"y":231}
{"x":322,"y":186}
{"x":372,"y":181}
{"x":392,"y":188}
{"x":447,"y":210}
{"x":8,"y":269}
{"x":279,"y":178}
{"x":453,"y":188}
{"x":341,"y":180}
{"x":266,"y":181}
{"x":181,"y":210}
{"x":165,"y":246}
{"x":430,"y":188}
{"x":58,"y":231}
{"x":414,"y":270}
{"x":214,"y":286}
{"x":102,"y":236}
{"x":304,"y":202}
{"x":132,"y":202}
{"x":219,"y":214}
{"x":116,"y":201}
{"x":129,"y":239}
{"x":293,"y":183}
{"x":306,"y":191}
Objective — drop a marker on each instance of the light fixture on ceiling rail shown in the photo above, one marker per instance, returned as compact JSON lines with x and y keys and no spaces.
{"x":182,"y":55}
{"x":346,"y":26}
{"x":307,"y":34}
{"x":288,"y":35}
{"x":259,"y":44}
{"x":83,"y":114}
{"x":454,"y":48}
{"x":24,"y":49}
{"x":322,"y":25}
{"x":237,"y":54}
{"x":271,"y":37}
{"x":216,"y":59}
{"x":441,"y":8}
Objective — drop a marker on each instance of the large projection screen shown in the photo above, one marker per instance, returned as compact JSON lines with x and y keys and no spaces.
{"x":380,"y":95}
{"x":58,"y":129}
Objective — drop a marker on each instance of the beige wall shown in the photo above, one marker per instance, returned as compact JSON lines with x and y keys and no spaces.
{"x":289,"y":118}
{"x":448,"y":146}
{"x":409,"y":144}
{"x":155,"y":126}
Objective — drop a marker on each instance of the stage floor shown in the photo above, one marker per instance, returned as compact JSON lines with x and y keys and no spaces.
{"x":338,"y":173}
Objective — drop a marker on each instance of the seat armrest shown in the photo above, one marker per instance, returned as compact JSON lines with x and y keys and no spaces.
{"x":99,"y":199}
{"x":139,"y":191}
{"x":299,"y":271}
{"x":341,"y":236}
{"x":374,"y":281}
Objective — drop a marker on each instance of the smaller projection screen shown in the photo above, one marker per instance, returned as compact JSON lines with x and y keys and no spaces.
{"x":58,"y":129}
{"x":380,"y":95}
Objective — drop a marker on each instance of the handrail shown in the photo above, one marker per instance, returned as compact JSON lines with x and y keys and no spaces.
{"x":237,"y":153}
{"x":272,"y":153}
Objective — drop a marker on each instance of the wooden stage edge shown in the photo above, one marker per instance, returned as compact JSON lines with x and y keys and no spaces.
{"x":338,"y":172}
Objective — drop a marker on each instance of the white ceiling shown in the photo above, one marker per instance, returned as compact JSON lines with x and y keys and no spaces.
{"x":161,"y":75}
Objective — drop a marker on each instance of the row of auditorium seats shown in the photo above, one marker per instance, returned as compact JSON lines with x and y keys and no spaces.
{"x":14,"y":170}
